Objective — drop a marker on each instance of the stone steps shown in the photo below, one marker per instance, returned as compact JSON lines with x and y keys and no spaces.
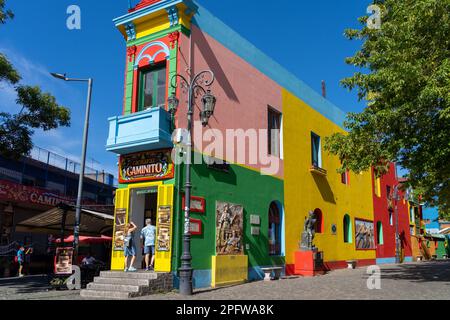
{"x":129,"y":275}
{"x":109,"y":295}
{"x":121,"y":285}
{"x":113,"y":287}
{"x":121,"y":281}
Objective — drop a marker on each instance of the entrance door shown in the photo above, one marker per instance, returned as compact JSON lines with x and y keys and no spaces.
{"x":136,"y":203}
{"x":143,"y":203}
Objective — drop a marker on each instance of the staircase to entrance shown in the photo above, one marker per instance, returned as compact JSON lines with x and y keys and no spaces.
{"x":125,"y":285}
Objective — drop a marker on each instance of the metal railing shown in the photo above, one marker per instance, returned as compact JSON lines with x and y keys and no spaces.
{"x":67,"y":164}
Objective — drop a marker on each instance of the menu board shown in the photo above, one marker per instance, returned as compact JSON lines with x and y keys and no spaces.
{"x":164,"y":228}
{"x":119,"y":235}
{"x":63,"y":261}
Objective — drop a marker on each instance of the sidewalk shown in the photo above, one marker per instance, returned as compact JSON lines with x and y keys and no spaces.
{"x":24,"y":285}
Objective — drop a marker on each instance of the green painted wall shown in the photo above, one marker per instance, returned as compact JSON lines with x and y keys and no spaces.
{"x":440,"y":251}
{"x":240,"y":186}
{"x":130,"y":65}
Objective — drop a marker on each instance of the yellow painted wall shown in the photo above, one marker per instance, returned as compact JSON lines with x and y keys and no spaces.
{"x":305,"y":191}
{"x":228,"y":270}
{"x":163,"y":260}
{"x":158,"y":21}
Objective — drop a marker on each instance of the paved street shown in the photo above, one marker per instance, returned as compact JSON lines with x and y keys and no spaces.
{"x":426,"y":280}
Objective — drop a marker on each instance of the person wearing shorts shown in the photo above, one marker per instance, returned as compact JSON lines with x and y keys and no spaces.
{"x":148,"y":241}
{"x":130,"y":247}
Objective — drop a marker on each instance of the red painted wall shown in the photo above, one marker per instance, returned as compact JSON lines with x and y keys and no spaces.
{"x":381,"y":213}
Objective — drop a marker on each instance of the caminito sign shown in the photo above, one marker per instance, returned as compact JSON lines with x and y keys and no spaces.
{"x":146,"y":166}
{"x":17,"y":192}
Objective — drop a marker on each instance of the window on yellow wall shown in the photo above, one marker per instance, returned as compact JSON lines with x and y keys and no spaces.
{"x":345,"y":177}
{"x":319,"y":221}
{"x":348,"y":234}
{"x":316,"y":150}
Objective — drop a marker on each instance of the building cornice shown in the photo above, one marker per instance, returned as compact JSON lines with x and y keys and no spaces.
{"x":168,"y":5}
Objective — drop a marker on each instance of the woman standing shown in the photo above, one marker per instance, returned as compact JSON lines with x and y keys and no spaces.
{"x":130,"y":247}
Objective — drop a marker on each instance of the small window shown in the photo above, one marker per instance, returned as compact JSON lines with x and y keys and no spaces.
{"x":345,"y":177}
{"x":391,"y":219}
{"x":411,"y":215}
{"x":389,"y":196}
{"x":274,"y":132}
{"x":348,"y":233}
{"x":274,"y":230}
{"x":377,"y":186}
{"x":316,"y":150}
{"x":152,"y":88}
{"x":380,"y":237}
{"x":319,"y":220}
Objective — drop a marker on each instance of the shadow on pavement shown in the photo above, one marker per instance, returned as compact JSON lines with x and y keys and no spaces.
{"x":28,"y":284}
{"x":435,"y":271}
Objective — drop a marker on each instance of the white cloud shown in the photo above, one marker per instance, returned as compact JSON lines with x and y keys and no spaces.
{"x":65,"y":142}
{"x":30,"y":72}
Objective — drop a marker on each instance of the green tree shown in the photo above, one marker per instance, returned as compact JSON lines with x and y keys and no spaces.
{"x":39,"y":110}
{"x":405,"y":79}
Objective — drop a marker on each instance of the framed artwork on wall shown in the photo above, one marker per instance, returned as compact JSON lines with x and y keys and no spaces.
{"x":364,"y":235}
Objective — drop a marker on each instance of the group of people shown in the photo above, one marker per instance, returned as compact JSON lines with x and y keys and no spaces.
{"x":147,"y":236}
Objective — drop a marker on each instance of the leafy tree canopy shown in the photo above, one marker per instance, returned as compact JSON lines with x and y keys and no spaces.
{"x":38,"y":110}
{"x":405,"y":79}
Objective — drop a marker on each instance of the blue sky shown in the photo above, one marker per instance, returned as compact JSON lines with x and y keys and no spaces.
{"x":306,"y":37}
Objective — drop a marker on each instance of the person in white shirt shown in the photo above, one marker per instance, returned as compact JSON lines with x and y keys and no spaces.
{"x":148,"y":237}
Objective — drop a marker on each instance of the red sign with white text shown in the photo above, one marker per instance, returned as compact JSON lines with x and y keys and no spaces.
{"x":19,"y":193}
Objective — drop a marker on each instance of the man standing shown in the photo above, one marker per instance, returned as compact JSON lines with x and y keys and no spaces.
{"x":148,"y":237}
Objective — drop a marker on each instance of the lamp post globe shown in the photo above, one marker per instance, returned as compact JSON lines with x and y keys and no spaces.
{"x":173,"y":103}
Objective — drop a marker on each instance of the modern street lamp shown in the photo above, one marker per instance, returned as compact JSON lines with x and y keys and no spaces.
{"x":197,"y":86}
{"x":76,"y":229}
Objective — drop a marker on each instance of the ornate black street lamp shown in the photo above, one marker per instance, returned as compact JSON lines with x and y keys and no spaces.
{"x":195,"y":88}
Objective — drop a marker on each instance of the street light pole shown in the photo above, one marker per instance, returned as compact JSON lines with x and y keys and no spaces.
{"x":397,"y":236}
{"x":76,"y":229}
{"x":193,"y":87}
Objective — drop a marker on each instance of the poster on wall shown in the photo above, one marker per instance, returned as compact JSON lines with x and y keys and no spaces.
{"x":229,"y":228}
{"x":196,"y":227}
{"x":63,"y":261}
{"x":163,"y":230}
{"x":364,"y":235}
{"x":146,"y":166}
{"x":119,"y":235}
{"x":198,"y":204}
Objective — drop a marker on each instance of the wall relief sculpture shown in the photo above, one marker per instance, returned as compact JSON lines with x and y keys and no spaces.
{"x":229,"y":229}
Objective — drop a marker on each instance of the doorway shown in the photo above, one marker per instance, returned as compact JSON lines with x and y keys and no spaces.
{"x":143,"y":205}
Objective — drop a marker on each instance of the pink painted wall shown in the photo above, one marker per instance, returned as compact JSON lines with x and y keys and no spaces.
{"x":243,"y":93}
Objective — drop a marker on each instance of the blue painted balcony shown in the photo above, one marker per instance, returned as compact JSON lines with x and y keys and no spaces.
{"x":143,"y":131}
